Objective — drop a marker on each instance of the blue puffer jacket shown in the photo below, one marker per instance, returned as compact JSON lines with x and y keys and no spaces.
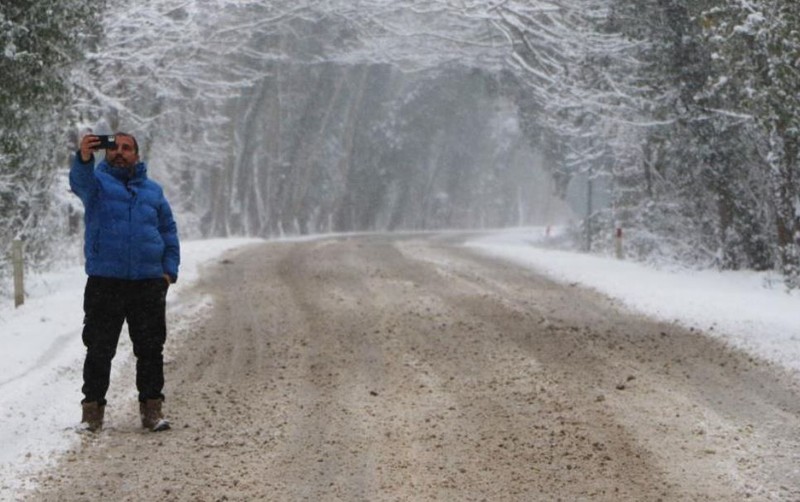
{"x":130,"y":232}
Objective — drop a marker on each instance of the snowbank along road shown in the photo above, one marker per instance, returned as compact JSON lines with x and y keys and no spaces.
{"x":408,"y":368}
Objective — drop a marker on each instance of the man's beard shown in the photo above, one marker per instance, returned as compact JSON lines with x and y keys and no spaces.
{"x":119,"y":162}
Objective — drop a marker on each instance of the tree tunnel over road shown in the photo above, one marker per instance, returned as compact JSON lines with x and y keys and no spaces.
{"x":283,"y":117}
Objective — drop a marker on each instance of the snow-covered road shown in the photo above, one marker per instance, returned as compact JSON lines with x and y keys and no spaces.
{"x":40,"y":360}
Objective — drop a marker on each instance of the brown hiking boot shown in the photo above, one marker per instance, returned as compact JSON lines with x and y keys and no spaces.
{"x":92,"y":417}
{"x":152,"y":418}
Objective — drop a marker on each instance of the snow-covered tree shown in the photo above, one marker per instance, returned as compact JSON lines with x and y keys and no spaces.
{"x":39,"y":42}
{"x":757,"y":51}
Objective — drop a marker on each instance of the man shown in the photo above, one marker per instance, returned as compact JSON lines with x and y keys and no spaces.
{"x":132,"y":256}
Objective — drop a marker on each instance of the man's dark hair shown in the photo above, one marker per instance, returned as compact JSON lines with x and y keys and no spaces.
{"x":131,"y":136}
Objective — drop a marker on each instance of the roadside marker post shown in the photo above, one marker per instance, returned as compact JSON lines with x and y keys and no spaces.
{"x":18,"y":265}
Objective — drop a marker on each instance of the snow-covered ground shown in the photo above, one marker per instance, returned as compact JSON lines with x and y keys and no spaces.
{"x":41,"y":360}
{"x":751,"y":310}
{"x":42,"y":353}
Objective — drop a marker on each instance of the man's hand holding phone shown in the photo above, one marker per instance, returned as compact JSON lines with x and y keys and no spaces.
{"x":92,"y":142}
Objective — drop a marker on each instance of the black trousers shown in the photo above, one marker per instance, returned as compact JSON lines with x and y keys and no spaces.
{"x":108,"y":303}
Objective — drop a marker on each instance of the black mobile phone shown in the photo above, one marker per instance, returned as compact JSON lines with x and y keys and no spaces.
{"x":106,"y":141}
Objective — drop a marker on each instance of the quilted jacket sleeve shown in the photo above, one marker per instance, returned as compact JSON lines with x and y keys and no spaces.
{"x":82,"y":180}
{"x":169,"y":233}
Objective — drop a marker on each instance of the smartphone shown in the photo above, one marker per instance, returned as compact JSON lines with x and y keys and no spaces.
{"x":106,"y":141}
